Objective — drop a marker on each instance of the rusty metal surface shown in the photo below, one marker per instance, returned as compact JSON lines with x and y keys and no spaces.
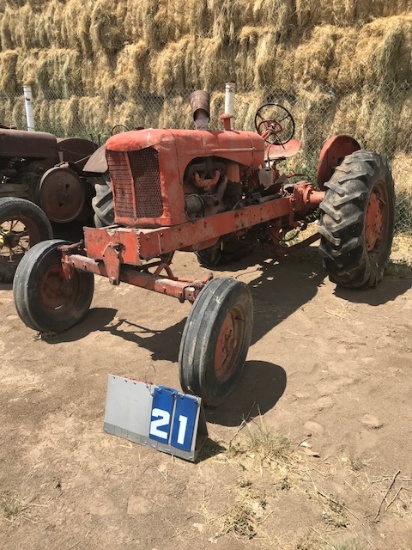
{"x":97,"y":239}
{"x":137,"y":189}
{"x":97,"y":163}
{"x":246,"y":148}
{"x":306,"y":198}
{"x":181,"y":289}
{"x":75,"y":150}
{"x":289,"y":149}
{"x":175,"y":149}
{"x":200,"y":106}
{"x":138,"y":245}
{"x":16,"y":143}
{"x":61,"y":194}
{"x":334,"y":150}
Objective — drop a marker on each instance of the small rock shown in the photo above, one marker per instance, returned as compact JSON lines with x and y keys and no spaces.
{"x":313,"y":428}
{"x":324,"y":403}
{"x":371,"y":422}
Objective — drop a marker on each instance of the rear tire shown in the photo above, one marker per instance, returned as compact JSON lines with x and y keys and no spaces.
{"x":357,"y":220}
{"x":22,"y":225}
{"x":216,"y":340}
{"x":44,"y":299}
{"x":103,"y":203}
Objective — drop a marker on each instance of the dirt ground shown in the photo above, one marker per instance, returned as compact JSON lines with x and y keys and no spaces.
{"x":312,"y":451}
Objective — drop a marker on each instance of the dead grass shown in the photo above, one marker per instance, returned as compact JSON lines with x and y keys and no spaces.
{"x":12,"y":507}
{"x":262,"y":445}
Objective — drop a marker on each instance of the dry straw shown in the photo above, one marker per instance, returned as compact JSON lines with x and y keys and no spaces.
{"x":336,"y":63}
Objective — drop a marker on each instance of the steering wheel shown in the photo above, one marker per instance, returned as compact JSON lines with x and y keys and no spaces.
{"x":118,"y":129}
{"x":274,"y":123}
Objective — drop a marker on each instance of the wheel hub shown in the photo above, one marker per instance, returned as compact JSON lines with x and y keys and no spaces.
{"x":225,"y":348}
{"x":54,"y":289}
{"x":374,"y":221}
{"x":11,"y":240}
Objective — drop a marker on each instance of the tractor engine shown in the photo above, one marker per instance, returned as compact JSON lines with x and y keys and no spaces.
{"x":167,"y":177}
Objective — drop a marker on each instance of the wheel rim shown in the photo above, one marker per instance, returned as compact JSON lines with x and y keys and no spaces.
{"x":16,"y":237}
{"x":58,"y":294}
{"x":377,"y":220}
{"x":228,"y":344}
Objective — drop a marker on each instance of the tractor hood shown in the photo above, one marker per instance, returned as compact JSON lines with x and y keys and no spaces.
{"x":23,"y":144}
{"x":244,"y":148}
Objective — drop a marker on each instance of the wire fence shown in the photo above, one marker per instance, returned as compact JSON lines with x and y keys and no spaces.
{"x":378,"y":118}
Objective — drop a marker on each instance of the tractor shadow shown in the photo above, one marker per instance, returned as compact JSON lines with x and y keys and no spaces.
{"x":6,"y":286}
{"x":260,"y":387}
{"x":396,"y":282}
{"x":280,"y":289}
{"x":96,"y":320}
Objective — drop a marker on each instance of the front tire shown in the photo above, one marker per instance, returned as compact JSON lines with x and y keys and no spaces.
{"x":216,"y":340}
{"x":22,"y":225}
{"x":357,"y":220}
{"x":45,"y":300}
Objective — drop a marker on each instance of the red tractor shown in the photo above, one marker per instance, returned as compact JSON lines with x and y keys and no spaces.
{"x":209,"y":192}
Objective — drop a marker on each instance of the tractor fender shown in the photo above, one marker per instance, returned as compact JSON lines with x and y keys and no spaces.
{"x":75,"y":150}
{"x":97,"y":163}
{"x":334,"y":150}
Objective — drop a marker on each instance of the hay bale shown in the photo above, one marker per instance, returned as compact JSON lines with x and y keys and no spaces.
{"x":132,"y":73}
{"x":18,"y":114}
{"x":344,"y":13}
{"x":93,"y":114}
{"x":187,"y":64}
{"x":175,"y":113}
{"x":106,"y":31}
{"x":74,"y":23}
{"x":57,"y":71}
{"x":8,"y":77}
{"x":404,"y":134}
{"x":401,"y":170}
{"x":6,"y":111}
{"x":313,"y":59}
{"x":131,"y":114}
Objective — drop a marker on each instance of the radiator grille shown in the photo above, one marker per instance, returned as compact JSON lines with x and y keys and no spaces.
{"x":143,"y":167}
{"x":122,"y":183}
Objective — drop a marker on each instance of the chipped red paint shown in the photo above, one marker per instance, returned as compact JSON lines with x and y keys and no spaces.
{"x":161,"y":158}
{"x":334,"y":150}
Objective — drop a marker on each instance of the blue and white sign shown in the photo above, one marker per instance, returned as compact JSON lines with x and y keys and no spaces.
{"x":158,"y":416}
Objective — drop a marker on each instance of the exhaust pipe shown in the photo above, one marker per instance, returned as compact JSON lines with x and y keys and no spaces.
{"x":230,"y":101}
{"x":28,"y":101}
{"x":200,"y":105}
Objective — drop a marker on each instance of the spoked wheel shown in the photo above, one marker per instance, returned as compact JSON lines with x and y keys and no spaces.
{"x":357,"y":220}
{"x":45,"y":300}
{"x":216,"y":340}
{"x":274,"y":123}
{"x":22,"y":224}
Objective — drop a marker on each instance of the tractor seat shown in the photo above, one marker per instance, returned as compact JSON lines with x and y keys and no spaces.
{"x":276,"y":152}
